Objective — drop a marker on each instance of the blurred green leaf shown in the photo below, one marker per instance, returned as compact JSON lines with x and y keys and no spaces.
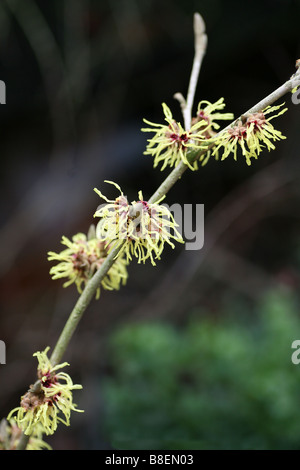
{"x":211,"y":385}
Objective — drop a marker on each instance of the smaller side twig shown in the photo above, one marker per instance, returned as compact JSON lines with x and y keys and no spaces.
{"x":200,"y":49}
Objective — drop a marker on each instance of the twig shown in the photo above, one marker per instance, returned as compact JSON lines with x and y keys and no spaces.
{"x":200,"y":49}
{"x":80,"y":307}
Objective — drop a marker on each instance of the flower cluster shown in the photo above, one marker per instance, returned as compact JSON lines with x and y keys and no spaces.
{"x":171,"y":143}
{"x":252,"y":134}
{"x":50,"y":397}
{"x":81,"y":259}
{"x":10,"y":435}
{"x":140,"y":229}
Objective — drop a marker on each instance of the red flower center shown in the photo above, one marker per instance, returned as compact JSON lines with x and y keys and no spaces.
{"x":202,"y":115}
{"x":179,"y":139}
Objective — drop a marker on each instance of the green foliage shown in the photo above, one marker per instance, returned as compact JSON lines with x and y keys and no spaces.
{"x":218,"y":384}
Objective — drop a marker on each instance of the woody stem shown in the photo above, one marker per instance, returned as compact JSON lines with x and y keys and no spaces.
{"x":80,"y":307}
{"x":93,"y":284}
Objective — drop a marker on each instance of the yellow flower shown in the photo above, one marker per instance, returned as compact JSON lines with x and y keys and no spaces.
{"x":251,"y":134}
{"x":82,"y":258}
{"x":140,"y":229}
{"x":171,"y":143}
{"x":45,"y":401}
{"x":10,"y":435}
{"x":208,"y":113}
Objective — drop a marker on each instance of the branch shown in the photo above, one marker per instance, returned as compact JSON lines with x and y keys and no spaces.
{"x":163,"y":189}
{"x":91,"y":287}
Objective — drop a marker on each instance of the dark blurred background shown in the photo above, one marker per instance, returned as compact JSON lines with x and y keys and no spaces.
{"x":80,"y":76}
